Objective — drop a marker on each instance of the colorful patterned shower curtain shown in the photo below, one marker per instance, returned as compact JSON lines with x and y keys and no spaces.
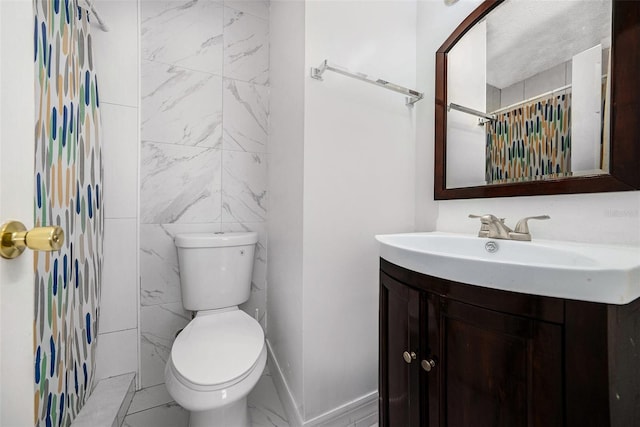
{"x":68,"y":193}
{"x":532,"y":141}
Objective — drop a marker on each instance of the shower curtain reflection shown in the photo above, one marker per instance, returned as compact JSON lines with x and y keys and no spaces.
{"x":530,"y":141}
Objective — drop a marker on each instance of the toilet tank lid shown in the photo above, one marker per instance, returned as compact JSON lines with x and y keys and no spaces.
{"x":215,"y":240}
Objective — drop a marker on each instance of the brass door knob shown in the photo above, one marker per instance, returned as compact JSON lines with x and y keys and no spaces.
{"x":408,"y":357}
{"x":427,"y":365}
{"x":16,"y":238}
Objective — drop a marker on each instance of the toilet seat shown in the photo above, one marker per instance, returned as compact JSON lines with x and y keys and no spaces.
{"x":217,"y":350}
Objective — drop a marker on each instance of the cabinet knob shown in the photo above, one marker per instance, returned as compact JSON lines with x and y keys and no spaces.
{"x":408,"y":357}
{"x":427,"y":365}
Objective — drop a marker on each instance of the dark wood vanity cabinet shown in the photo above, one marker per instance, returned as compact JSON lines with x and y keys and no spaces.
{"x":457,"y":355}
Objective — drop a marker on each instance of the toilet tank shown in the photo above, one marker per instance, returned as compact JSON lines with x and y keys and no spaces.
{"x":215,"y":268}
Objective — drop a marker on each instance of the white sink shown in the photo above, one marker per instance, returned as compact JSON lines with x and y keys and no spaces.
{"x":586,"y":272}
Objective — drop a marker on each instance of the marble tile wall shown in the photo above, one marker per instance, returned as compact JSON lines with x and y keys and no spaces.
{"x":117,"y":60}
{"x":203,"y":166}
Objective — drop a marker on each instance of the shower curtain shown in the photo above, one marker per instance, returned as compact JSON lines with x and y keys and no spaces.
{"x":68,"y":193}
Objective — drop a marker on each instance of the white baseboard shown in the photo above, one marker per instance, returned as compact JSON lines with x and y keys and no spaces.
{"x":361,"y":412}
{"x":356,"y":413}
{"x":284,"y":392}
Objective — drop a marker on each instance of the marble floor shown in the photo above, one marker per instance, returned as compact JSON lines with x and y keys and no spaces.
{"x":153,"y":407}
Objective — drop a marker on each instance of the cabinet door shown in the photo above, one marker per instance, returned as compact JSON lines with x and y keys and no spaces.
{"x":494,"y":369}
{"x":399,"y":388}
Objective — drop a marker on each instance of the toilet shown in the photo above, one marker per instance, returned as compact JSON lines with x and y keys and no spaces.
{"x":220,"y":355}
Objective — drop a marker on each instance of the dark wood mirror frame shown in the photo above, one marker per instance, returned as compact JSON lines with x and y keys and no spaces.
{"x":624,"y":139}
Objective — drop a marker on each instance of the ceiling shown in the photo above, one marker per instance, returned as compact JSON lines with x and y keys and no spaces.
{"x":525,"y":37}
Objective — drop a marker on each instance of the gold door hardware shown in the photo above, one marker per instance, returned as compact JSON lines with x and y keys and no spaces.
{"x":16,"y":238}
{"x":427,"y":365}
{"x":408,"y":357}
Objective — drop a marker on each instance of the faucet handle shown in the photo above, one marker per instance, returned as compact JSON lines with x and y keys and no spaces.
{"x":486,"y":217}
{"x":484,"y":226}
{"x":523,"y":227}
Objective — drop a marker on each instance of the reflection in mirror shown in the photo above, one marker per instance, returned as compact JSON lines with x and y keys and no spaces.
{"x":528,"y":96}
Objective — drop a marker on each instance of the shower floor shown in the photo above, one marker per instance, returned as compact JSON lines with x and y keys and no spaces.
{"x":153,"y":407}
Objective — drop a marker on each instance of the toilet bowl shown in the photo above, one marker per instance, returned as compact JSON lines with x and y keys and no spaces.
{"x":215,"y":362}
{"x":218,"y":358}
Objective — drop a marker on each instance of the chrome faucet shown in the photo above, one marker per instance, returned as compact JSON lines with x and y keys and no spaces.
{"x":494,"y":228}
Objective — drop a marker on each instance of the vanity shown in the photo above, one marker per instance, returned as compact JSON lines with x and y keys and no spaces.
{"x":496,"y":329}
{"x":470,"y":337}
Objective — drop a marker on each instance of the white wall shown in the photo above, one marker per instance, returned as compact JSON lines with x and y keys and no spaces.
{"x":544,"y":81}
{"x":533,"y":88}
{"x":286,"y":151}
{"x":586,"y":105}
{"x":341,"y":171}
{"x":595,"y":218}
{"x":116,"y":56}
{"x":601,"y":218}
{"x":359,"y":181}
{"x":436,"y":21}
{"x":466,"y":86}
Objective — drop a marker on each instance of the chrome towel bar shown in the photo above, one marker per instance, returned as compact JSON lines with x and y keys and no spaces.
{"x":482,"y":117}
{"x":412,"y":95}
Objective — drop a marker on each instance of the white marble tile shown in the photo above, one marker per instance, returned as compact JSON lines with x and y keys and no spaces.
{"x":158,"y":327}
{"x":258,"y":297}
{"x":124,"y":407}
{"x":259,"y":8}
{"x":257,"y":301}
{"x":244,"y":186}
{"x":265,"y":408}
{"x":116,"y":52}
{"x":150,"y":397}
{"x":246,"y":116}
{"x":117,"y":353}
{"x":150,"y":407}
{"x":179,"y":184}
{"x":159,"y":274}
{"x":180,"y":106}
{"x":159,"y":270}
{"x":246,"y":47}
{"x":109,"y":399}
{"x":120,"y":151}
{"x":186,"y":33}
{"x":118,"y":298}
{"x":169,"y":415}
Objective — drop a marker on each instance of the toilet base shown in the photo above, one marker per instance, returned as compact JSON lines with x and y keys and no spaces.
{"x":235,"y":414}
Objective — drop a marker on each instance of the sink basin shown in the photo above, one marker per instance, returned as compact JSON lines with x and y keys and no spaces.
{"x":586,"y":272}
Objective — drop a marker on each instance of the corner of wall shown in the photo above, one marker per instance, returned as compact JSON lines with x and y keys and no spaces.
{"x":285,"y":186}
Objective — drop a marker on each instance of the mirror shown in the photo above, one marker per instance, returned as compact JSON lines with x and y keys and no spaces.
{"x":520,"y":113}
